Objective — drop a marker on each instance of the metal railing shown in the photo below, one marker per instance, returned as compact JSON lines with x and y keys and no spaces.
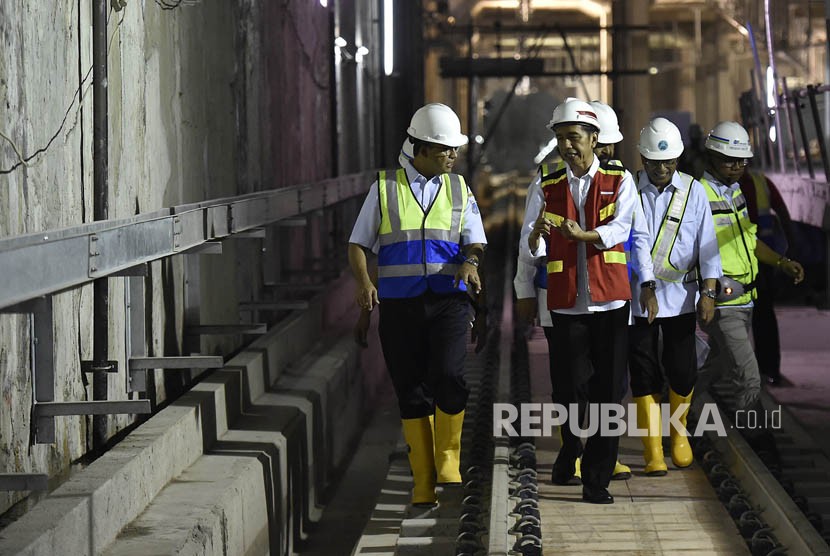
{"x":35,"y":267}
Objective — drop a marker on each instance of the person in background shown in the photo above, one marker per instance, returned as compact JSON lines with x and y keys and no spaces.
{"x":530,"y":282}
{"x":731,"y":360}
{"x":424,"y":224}
{"x":683,"y":250}
{"x":768,"y":211}
{"x":693,"y":159}
{"x":584,"y":210}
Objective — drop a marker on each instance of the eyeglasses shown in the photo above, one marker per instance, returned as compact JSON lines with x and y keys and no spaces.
{"x":657,"y":163}
{"x":443,"y":150}
{"x":732,"y":162}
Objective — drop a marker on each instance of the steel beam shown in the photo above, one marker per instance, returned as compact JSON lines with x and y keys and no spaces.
{"x":23,"y":481}
{"x":109,"y":407}
{"x":178,"y":362}
{"x":226,"y":329}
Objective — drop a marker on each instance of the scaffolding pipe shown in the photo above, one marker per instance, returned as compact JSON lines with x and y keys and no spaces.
{"x":774,"y":96}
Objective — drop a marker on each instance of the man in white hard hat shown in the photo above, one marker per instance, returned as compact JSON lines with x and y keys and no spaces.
{"x":584,"y":210}
{"x":424,"y":225}
{"x":530,"y":282}
{"x":683,"y":250}
{"x":731,"y":358}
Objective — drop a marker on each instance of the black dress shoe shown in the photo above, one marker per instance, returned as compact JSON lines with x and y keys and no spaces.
{"x":596,"y":495}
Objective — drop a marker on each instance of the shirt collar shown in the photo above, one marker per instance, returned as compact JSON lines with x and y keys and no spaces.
{"x":413,"y":175}
{"x":592,"y":170}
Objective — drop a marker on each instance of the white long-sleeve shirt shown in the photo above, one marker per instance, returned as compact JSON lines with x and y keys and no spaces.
{"x":695,"y":244}
{"x":613,"y":233}
{"x":524,"y":282}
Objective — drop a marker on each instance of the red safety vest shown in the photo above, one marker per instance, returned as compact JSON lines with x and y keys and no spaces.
{"x":607,"y":270}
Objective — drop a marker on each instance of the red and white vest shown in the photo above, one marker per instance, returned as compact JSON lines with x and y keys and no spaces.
{"x":607,"y":270}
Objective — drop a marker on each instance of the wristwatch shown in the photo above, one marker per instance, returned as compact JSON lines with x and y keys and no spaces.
{"x":651,"y":284}
{"x":472,"y":261}
{"x":709,"y":292}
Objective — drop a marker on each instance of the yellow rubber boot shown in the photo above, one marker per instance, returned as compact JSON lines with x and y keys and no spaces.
{"x":621,"y":472}
{"x":648,"y":417}
{"x":418,"y":436}
{"x":681,"y":452}
{"x":578,"y":469}
{"x":448,"y":447}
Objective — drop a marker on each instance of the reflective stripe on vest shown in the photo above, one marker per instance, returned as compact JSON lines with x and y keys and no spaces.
{"x":419,"y":249}
{"x":667,"y":235}
{"x":607,"y":269}
{"x":736,"y":239}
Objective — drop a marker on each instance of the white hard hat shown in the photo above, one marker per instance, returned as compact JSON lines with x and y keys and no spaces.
{"x":609,"y":125}
{"x":437,"y":123}
{"x":574,"y":111}
{"x":730,"y":139}
{"x":406,"y":154}
{"x":660,"y":140}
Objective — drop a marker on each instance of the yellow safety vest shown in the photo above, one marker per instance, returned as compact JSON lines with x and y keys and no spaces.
{"x":736,"y":240}
{"x":419,"y":249}
{"x":667,"y":235}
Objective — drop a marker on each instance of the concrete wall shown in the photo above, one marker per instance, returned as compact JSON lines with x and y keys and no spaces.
{"x":207,"y":100}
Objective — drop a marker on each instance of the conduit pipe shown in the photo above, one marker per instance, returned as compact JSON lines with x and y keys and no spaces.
{"x":100,"y":159}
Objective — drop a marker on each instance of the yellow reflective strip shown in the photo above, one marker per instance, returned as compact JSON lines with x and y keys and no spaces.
{"x":608,"y":172}
{"x":412,"y":215}
{"x":554,"y":266}
{"x":555,"y":218}
{"x":439,"y":216}
{"x":614,"y":257}
{"x":607,"y":211}
{"x":385,"y":223}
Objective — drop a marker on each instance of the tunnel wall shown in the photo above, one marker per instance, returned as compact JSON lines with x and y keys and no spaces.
{"x":206,"y":100}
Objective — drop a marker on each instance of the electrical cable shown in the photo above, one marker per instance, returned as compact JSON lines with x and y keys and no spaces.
{"x":79,"y":94}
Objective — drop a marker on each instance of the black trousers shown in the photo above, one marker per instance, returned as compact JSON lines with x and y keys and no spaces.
{"x":765,"y":324}
{"x":679,"y":359}
{"x":424,"y":342}
{"x":591,"y":353}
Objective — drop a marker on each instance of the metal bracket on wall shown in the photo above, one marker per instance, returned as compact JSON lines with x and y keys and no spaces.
{"x":253,"y":233}
{"x":206,"y":248}
{"x":138,"y":362}
{"x":226,"y":329}
{"x":23,"y":481}
{"x":273,"y":305}
{"x":44,"y":406}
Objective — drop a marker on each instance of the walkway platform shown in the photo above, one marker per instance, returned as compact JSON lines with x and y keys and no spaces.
{"x":678,"y":513}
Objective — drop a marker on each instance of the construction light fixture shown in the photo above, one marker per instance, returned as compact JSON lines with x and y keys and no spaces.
{"x":388,"y":34}
{"x":653,"y":70}
{"x":340,"y":42}
{"x":324,"y":3}
{"x":360,"y":53}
